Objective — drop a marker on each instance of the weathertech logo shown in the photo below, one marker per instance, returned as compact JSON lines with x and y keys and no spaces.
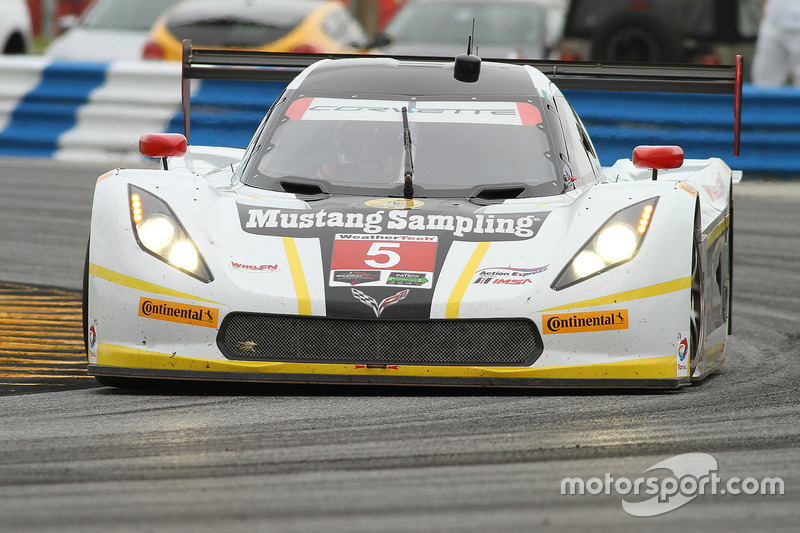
{"x":175,"y":312}
{"x":579,"y":322}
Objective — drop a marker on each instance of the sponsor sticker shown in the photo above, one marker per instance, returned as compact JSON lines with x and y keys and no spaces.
{"x":585,"y":322}
{"x":683,"y":356}
{"x":194,"y":315}
{"x":390,"y":220}
{"x":414,"y":279}
{"x":355,"y":277}
{"x":93,"y":343}
{"x":247,"y":267}
{"x":383,"y":260}
{"x":394,"y":203}
{"x":717,"y":190}
{"x":506,"y":275}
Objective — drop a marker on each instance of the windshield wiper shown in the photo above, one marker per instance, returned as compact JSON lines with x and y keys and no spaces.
{"x":408,"y":173}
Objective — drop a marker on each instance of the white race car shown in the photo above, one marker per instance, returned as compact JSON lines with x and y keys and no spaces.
{"x":415,"y":221}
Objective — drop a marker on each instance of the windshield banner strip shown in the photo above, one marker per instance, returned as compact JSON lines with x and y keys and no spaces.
{"x":500,"y":113}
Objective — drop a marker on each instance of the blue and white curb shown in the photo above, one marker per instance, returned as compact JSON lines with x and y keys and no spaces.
{"x":97,"y":111}
{"x":83,"y":111}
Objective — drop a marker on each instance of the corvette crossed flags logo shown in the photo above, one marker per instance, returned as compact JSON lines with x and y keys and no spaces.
{"x":373,"y":303}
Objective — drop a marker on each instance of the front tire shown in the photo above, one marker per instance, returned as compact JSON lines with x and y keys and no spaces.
{"x":697,"y":311}
{"x":85,"y":303}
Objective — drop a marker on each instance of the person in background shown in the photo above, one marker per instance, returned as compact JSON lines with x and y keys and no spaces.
{"x":777,"y":56}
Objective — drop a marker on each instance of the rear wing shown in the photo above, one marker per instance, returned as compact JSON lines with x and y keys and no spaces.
{"x":579,"y":75}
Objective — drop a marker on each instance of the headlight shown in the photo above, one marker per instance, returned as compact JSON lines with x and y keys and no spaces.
{"x":159,"y":232}
{"x":615,"y":243}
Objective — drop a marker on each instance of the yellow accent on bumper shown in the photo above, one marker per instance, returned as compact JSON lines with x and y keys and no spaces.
{"x":652,"y":368}
{"x":144,"y":286}
{"x":627,"y":296}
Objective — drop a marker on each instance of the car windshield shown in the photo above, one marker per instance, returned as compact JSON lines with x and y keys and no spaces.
{"x":125,"y":14}
{"x":356,"y":146}
{"x":508,"y":24}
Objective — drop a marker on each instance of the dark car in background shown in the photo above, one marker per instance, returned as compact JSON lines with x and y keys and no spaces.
{"x":503,"y":28}
{"x":697,"y":31}
{"x":302,"y":26}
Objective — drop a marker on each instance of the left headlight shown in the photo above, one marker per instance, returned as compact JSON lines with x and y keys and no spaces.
{"x":159,"y":232}
{"x":615,"y":243}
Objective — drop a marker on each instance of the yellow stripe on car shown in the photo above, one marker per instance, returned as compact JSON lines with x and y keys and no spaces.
{"x":298,"y":277}
{"x":717,"y":231}
{"x":460,"y":288}
{"x":134,"y":283}
{"x":636,"y":294}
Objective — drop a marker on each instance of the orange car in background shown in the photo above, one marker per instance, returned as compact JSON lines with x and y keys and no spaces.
{"x":303,"y":26}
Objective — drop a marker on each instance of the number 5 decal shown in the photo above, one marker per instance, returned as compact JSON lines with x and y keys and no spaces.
{"x":379,"y":249}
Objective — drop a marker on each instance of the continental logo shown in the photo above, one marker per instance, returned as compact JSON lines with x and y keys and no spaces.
{"x":580,"y":322}
{"x":175,"y":312}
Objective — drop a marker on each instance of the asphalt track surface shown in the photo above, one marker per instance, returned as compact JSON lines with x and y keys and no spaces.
{"x":78,"y":457}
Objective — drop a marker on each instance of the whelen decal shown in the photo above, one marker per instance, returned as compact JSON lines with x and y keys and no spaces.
{"x":194,"y":315}
{"x":371,"y":302}
{"x":583,"y":322}
{"x":245,"y":267}
{"x":383,"y":260}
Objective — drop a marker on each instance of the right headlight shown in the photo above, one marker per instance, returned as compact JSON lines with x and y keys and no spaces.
{"x":159,"y":232}
{"x":615,"y":243}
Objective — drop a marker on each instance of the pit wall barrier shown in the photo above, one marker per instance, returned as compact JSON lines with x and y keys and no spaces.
{"x":97,"y":111}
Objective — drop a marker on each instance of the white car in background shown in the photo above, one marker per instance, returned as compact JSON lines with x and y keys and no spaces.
{"x":15,"y":27}
{"x":110,"y":30}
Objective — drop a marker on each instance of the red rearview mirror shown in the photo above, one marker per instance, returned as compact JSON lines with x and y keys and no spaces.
{"x":658,"y":157}
{"x":162,"y":144}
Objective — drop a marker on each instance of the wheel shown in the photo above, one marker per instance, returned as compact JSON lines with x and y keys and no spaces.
{"x":697,"y":311}
{"x":85,"y":303}
{"x":637,"y":37}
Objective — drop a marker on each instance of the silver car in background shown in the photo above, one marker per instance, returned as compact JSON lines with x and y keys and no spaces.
{"x":110,"y":30}
{"x":517,"y":29}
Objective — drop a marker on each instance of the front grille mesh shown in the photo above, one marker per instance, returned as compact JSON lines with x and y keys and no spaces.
{"x":261,"y":337}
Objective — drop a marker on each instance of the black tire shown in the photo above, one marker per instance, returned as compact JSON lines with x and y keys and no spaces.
{"x":638,"y":37}
{"x":15,"y":45}
{"x":730,"y":264}
{"x":85,"y":304}
{"x":697,"y":310}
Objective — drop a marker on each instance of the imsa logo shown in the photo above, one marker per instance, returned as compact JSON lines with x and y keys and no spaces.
{"x":175,"y":312}
{"x":582,"y":322}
